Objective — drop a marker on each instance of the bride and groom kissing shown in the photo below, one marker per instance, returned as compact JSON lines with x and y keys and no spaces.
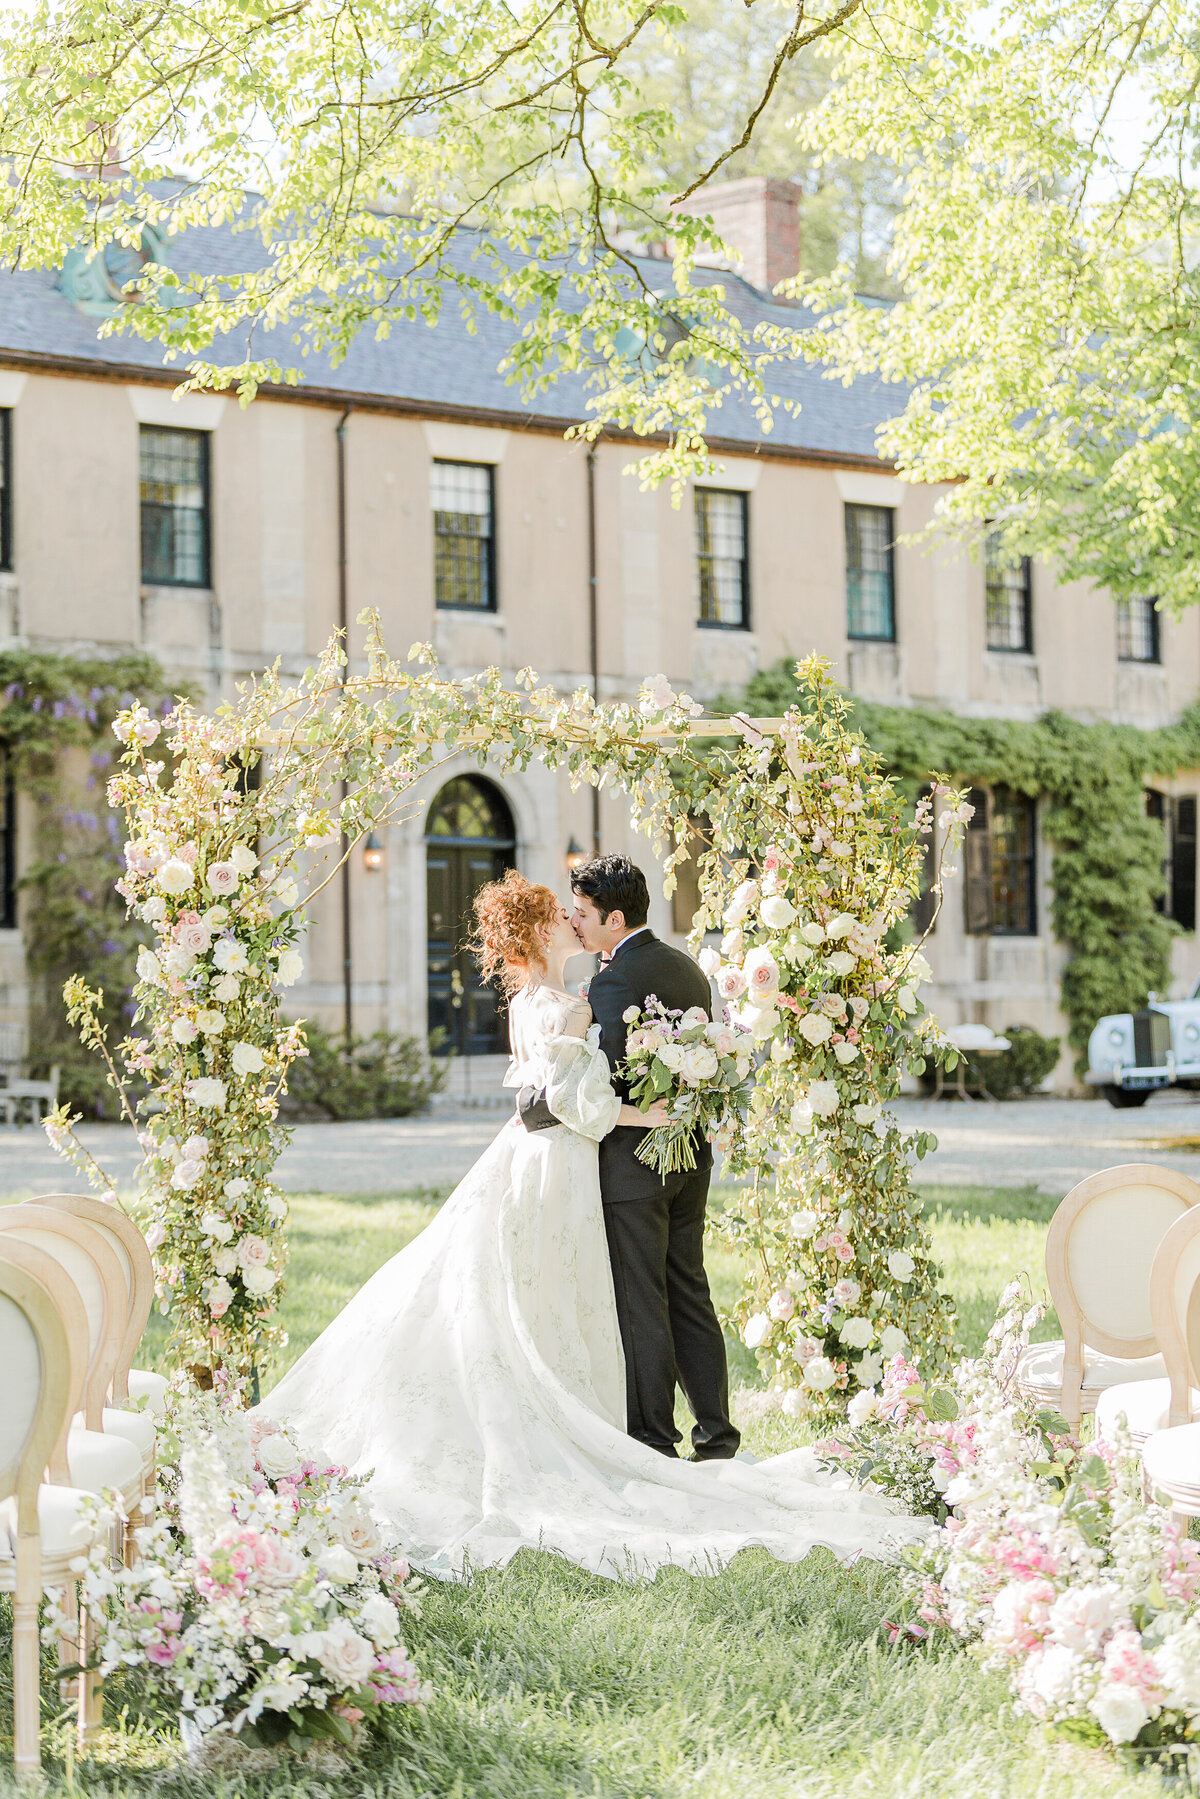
{"x":507,"y":1381}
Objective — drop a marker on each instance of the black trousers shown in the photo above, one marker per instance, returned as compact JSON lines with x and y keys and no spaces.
{"x":669,"y":1328}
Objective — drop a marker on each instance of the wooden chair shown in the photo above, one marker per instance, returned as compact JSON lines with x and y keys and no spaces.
{"x":1100,"y":1249}
{"x":41,"y":1527}
{"x":97,"y":1459}
{"x":1154,"y":1405}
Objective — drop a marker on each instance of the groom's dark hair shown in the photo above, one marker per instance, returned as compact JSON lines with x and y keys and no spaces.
{"x":613,"y":884}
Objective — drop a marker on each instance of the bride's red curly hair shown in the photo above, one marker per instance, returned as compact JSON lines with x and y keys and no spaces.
{"x":508,"y":916}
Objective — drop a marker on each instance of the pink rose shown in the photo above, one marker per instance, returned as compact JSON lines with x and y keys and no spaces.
{"x":781,"y":1305}
{"x":222,"y":879}
{"x":253,"y":1252}
{"x":731,"y":982}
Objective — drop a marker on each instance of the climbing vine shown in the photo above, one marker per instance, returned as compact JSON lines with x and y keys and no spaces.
{"x":1108,"y":855}
{"x":56,"y":715}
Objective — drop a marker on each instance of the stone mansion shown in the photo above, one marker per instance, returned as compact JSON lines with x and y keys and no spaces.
{"x":413,"y":480}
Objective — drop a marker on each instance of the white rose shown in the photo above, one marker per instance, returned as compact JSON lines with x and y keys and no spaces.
{"x":815,"y":1028}
{"x":841,"y":963}
{"x":868,"y":1370}
{"x":215,"y":917}
{"x":286,"y":892}
{"x":149,"y":968}
{"x":226,"y":988}
{"x":709,"y":961}
{"x":276,"y":1205}
{"x":1118,"y":1710}
{"x":290,"y":967}
{"x":154,"y":908}
{"x":380,"y":1619}
{"x":1178,"y":1662}
{"x":213,"y":1225}
{"x":175,"y":877}
{"x":631,"y":1014}
{"x":243,"y":858}
{"x":1082,"y":1616}
{"x":744,"y":899}
{"x":185,"y":1174}
{"x":801,"y":1118}
{"x":762,"y":974}
{"x":196,"y":1147}
{"x":277,"y":1456}
{"x":700,"y":1064}
{"x":900,"y":1265}
{"x":820,"y":1374}
{"x":357,"y":1530}
{"x":671,"y":1056}
{"x":258,"y":1281}
{"x":206,"y":1092}
{"x":777,"y":912}
{"x":840,"y":926}
{"x":225,"y":1262}
{"x":856,"y":1333}
{"x":892,"y":1340}
{"x":756,"y":1330}
{"x":906,"y":999}
{"x":866,"y":1115}
{"x":230,"y":956}
{"x":184,"y":1031}
{"x":220,"y":1297}
{"x":813,"y":934}
{"x":823,"y":1098}
{"x":236,"y":1189}
{"x":795,"y":1402}
{"x":247,"y":1059}
{"x":337,"y":1563}
{"x":803,"y":1223}
{"x":845,"y":1053}
{"x":346,"y":1657}
{"x":863,"y":1407}
{"x":210,"y":1021}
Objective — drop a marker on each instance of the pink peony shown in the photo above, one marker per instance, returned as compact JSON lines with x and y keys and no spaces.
{"x":1020,"y":1616}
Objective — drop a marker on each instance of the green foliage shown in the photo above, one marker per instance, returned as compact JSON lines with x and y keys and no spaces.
{"x":1108,"y":855}
{"x":382,"y":1076}
{"x":56,"y":714}
{"x":1019,"y":1069}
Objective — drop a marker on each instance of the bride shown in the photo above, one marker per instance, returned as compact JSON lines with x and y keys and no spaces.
{"x":478,"y":1376}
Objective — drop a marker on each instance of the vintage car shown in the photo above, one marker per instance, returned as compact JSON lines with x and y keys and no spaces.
{"x":1132,"y":1054}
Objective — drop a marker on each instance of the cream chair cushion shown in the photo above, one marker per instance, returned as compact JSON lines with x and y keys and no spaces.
{"x":150,"y":1387}
{"x":63,"y":1531}
{"x":137,"y":1428}
{"x":96,"y":1461}
{"x":1146,"y":1405}
{"x":1171,"y":1459}
{"x":1039,"y":1371}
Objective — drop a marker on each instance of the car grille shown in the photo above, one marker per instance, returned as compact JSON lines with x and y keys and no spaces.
{"x":1151,"y":1039}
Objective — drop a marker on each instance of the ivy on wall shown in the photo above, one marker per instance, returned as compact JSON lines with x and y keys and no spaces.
{"x":56,"y":716}
{"x":1107,"y":870}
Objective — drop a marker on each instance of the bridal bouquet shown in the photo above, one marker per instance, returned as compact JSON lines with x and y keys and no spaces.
{"x":702,"y":1069}
{"x":264,"y":1597}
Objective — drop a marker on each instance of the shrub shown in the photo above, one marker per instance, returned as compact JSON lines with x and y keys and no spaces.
{"x":382,"y":1076}
{"x":1018,"y":1070}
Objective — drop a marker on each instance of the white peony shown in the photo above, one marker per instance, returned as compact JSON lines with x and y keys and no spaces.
{"x":671,"y":1056}
{"x":154,"y":908}
{"x":225,"y":1262}
{"x":756,"y":1330}
{"x":868,"y":1370}
{"x":247,"y":1059}
{"x":820,"y":1374}
{"x":892,"y":1340}
{"x":815,"y":1028}
{"x":258,"y":1281}
{"x":700,"y":1064}
{"x":900,"y":1265}
{"x":175,"y":877}
{"x":777,"y":912}
{"x":177,"y":960}
{"x":230,"y":956}
{"x":277,"y":1456}
{"x":823,"y":1098}
{"x":1118,"y":1710}
{"x":207,"y":1092}
{"x":856,"y":1333}
{"x":380,"y":1619}
{"x":290,"y":967}
{"x":345,"y":1656}
{"x":226,"y":988}
{"x":863,"y":1407}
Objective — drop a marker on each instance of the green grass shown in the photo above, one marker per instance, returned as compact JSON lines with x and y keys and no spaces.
{"x":765,"y":1682}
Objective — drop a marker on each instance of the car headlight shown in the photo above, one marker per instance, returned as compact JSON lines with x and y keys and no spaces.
{"x":1116,"y":1037}
{"x":1192,"y":1032}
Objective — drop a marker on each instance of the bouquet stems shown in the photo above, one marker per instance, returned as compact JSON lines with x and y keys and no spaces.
{"x":670,"y":1148}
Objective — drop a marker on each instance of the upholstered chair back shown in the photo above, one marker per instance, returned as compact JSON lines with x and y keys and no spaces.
{"x":94,"y":1270}
{"x":1175,"y":1306}
{"x":27,"y":1266}
{"x":137,"y":1269}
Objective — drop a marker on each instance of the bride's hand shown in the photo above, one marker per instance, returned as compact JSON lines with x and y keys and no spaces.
{"x":657,"y":1115}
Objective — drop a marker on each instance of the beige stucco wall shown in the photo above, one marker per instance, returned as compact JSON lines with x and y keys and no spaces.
{"x":76,"y":584}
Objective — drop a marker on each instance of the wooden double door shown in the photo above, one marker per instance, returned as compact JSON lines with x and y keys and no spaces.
{"x":469,"y":840}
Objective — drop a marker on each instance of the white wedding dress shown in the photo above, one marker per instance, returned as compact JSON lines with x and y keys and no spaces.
{"x":479,"y":1373}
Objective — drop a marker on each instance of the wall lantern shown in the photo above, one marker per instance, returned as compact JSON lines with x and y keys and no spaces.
{"x":373,"y":854}
{"x":576,"y":855}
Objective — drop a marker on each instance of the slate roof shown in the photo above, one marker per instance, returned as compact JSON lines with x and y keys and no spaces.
{"x":447,"y":365}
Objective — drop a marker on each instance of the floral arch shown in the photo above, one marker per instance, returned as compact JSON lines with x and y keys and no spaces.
{"x":828,"y":858}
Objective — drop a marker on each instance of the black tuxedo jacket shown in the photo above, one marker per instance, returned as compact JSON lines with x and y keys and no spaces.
{"x":643,"y":965}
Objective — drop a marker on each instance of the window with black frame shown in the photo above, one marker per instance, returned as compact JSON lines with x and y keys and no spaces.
{"x":1008,"y":585}
{"x":1176,"y":813}
{"x":871,"y":573}
{"x":463,"y":496}
{"x":6,"y":516}
{"x":1137,"y":630}
{"x":174,"y":487}
{"x":1000,"y":863}
{"x":721,"y":559}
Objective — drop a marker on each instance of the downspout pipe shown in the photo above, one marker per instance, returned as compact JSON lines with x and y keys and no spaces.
{"x":343,"y":620}
{"x":593,"y":622}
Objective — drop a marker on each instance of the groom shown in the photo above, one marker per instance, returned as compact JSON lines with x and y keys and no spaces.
{"x":655,"y":1225}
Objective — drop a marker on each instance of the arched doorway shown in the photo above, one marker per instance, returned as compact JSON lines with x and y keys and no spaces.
{"x":469,"y":839}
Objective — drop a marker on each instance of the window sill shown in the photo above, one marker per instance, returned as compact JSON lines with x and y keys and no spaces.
{"x":860,"y":637}
{"x":489,"y":615}
{"x":712,"y":624}
{"x":1139,"y":661}
{"x":149,"y":588}
{"x":994,"y":649}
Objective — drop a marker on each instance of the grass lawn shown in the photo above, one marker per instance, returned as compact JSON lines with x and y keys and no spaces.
{"x":766,"y":1682}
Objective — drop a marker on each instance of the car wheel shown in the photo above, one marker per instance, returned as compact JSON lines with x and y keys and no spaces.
{"x":1125,"y":1096}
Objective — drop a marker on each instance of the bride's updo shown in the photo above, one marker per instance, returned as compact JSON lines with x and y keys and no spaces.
{"x":509,"y":914}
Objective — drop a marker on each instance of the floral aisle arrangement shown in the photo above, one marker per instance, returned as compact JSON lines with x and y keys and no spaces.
{"x":229,"y":816}
{"x":264,"y":1599}
{"x":703,"y":1070}
{"x":908,"y":1440}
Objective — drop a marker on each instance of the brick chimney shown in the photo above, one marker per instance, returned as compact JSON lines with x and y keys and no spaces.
{"x":759,"y":218}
